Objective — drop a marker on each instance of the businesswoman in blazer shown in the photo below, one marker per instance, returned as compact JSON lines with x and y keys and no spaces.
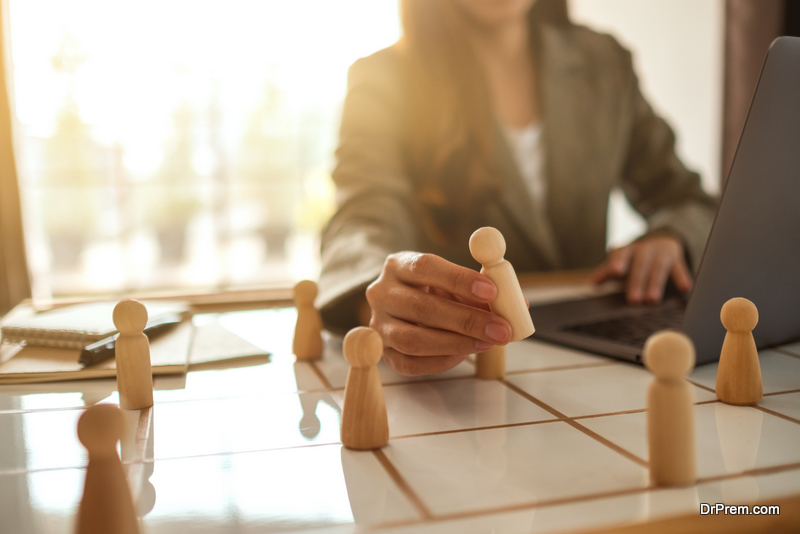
{"x":494,"y":113}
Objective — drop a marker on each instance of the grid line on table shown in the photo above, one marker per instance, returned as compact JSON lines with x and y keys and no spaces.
{"x":403,"y":484}
{"x":776,"y":414}
{"x":577,"y":426}
{"x":620,"y":450}
{"x":428,"y":517}
{"x":781,"y":392}
{"x":561,"y":368}
{"x":628,"y":412}
{"x":533,"y":399}
{"x":320,"y":375}
{"x":473,"y":429}
{"x":756,"y":471}
{"x":701,"y":386}
{"x":480,"y":512}
{"x":786,"y":352}
{"x":608,"y":443}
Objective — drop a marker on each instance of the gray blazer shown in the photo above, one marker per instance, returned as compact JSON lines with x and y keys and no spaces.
{"x":598,"y":133}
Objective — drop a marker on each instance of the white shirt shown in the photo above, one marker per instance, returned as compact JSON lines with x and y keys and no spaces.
{"x":526,"y":147}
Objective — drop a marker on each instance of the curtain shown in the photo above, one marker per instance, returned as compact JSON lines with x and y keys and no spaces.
{"x":14,"y":279}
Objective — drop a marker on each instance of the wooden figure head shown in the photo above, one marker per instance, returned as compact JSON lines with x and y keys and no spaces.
{"x":305,"y":292}
{"x":487,"y":245}
{"x":362,"y":347}
{"x":130,"y":316}
{"x":739,"y":315}
{"x":669,"y":355}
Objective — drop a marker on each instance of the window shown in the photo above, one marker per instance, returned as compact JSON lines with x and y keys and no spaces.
{"x":180,"y":143}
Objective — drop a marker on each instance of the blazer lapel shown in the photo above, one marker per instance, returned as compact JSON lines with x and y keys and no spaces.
{"x":565,"y":102}
{"x":518,"y":206}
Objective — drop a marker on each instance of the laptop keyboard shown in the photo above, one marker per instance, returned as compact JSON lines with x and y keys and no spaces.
{"x":634,"y":329}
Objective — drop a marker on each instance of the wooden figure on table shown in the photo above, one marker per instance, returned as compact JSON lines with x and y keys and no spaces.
{"x":670,"y":356}
{"x":364,"y":421}
{"x":739,"y":372}
{"x":132,"y":354}
{"x":307,"y":344}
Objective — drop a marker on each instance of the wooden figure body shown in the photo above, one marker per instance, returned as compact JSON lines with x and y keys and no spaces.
{"x":307,"y":344}
{"x":670,"y":357}
{"x":106,"y":505}
{"x":364,"y":422}
{"x":491,"y":364}
{"x":739,"y":372}
{"x":132,"y":353}
{"x":488,"y":246}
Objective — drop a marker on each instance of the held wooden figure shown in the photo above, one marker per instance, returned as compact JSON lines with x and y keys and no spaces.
{"x":488,"y":246}
{"x":307,"y":344}
{"x":670,"y":357}
{"x":491,"y":364}
{"x":364,"y":422}
{"x":739,"y":371}
{"x":106,"y":505}
{"x":132,"y":353}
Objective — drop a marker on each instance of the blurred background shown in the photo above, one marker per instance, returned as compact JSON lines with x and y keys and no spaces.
{"x":188,"y":144}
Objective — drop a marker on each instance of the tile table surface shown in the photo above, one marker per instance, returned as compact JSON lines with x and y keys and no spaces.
{"x":558,"y":445}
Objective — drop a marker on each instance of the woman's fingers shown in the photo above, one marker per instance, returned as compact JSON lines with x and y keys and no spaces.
{"x":418,"y":269}
{"x":647,"y":264}
{"x":432,"y":311}
{"x":615,"y":266}
{"x":415,"y":340}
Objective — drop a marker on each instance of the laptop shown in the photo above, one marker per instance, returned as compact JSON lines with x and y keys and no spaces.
{"x":753,"y":250}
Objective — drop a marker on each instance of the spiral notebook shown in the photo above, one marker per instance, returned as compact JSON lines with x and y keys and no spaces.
{"x":73,"y":327}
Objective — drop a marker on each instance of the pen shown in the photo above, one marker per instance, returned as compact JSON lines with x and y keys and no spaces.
{"x":102,"y":350}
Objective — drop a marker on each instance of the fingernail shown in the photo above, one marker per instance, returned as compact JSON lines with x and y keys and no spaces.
{"x":483,"y":290}
{"x":481,"y":346}
{"x":497,"y":332}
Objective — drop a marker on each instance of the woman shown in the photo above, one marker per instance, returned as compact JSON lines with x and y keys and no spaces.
{"x":494,"y":113}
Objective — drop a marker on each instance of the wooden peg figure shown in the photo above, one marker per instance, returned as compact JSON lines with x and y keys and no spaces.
{"x":670,"y":356}
{"x":132,"y":353}
{"x":106,"y":505}
{"x":491,"y":364}
{"x":364,"y":422}
{"x":307,"y":344}
{"x":488,"y":246}
{"x":739,"y":371}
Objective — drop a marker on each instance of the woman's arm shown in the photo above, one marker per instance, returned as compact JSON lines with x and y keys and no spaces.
{"x":679,"y":213}
{"x":430,"y":313}
{"x":374,"y":213}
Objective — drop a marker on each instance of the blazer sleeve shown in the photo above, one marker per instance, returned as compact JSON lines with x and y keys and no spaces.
{"x":657,"y":184}
{"x":374,"y":214}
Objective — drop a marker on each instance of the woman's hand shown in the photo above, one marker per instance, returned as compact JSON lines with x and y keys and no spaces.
{"x":431,"y":314}
{"x":647,"y":263}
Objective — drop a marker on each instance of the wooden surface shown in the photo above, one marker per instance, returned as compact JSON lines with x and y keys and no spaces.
{"x":473,"y":438}
{"x":106,"y":505}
